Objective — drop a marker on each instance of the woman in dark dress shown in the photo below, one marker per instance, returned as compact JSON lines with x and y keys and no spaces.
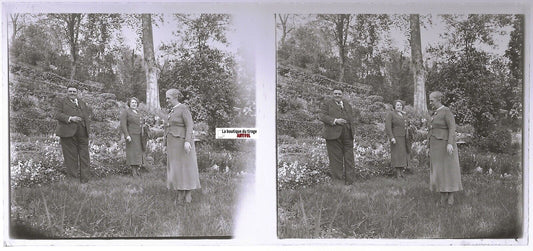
{"x":132,"y":128}
{"x":395,"y":126}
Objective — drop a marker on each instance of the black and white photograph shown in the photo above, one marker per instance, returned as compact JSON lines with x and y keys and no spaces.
{"x":400,"y":126}
{"x":112,"y":123}
{"x":266,"y":124}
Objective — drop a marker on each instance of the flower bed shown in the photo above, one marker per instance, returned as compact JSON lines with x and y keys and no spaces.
{"x":304,"y":162}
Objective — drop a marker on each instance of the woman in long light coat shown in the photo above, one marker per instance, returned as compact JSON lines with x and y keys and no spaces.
{"x":445,"y":173}
{"x":182,"y":167}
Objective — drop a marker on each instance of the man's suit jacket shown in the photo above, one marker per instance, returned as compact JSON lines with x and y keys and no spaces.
{"x":330,"y":111}
{"x":64,"y":109}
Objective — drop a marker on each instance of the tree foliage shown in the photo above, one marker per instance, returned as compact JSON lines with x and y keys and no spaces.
{"x":515,"y":54}
{"x":36,"y":46}
{"x":338,"y":26}
{"x":472,"y":79}
{"x":203,"y":72}
{"x":315,"y":44}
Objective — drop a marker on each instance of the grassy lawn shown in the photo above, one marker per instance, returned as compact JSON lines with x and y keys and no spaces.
{"x":124,"y":206}
{"x":488,"y":207}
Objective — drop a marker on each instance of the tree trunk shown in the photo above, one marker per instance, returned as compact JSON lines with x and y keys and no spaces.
{"x":73,"y":30}
{"x":283,"y":20}
{"x":342,"y":63}
{"x":419,"y":74}
{"x":341,"y":31}
{"x":152,"y":90}
{"x":14,"y":19}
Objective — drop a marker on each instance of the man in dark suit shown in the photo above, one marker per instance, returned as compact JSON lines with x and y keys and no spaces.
{"x":338,"y":117}
{"x":73,"y":117}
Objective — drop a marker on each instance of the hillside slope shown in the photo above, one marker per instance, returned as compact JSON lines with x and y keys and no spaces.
{"x":300,"y":93}
{"x":32,"y":94}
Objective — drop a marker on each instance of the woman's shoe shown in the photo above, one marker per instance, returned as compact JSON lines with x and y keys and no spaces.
{"x":180,"y":196}
{"x":188,"y":197}
{"x":134,"y":171}
{"x":450,"y":200}
{"x":443,"y":199}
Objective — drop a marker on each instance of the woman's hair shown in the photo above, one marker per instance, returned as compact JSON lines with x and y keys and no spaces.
{"x":130,"y":99}
{"x":398,"y":101}
{"x":175,"y":93}
{"x":438,"y":95}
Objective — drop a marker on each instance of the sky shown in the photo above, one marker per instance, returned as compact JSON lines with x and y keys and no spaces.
{"x":163,"y":32}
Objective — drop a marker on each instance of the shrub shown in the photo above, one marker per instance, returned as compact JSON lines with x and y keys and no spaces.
{"x":107,"y":96}
{"x":471,"y":159}
{"x":211,"y":158}
{"x":20,"y":102}
{"x":287,"y":103}
{"x":285,"y":139}
{"x":419,"y":155}
{"x":305,"y":163}
{"x":372,"y":161}
{"x":31,"y":127}
{"x":304,"y":170}
{"x":367,"y":135}
{"x":43,"y":160}
{"x":368,"y":117}
{"x":299,"y":129}
{"x":41,"y":163}
{"x":499,"y":141}
{"x":466,"y":128}
{"x":301,"y":115}
{"x":375,"y":98}
{"x":377,"y":107}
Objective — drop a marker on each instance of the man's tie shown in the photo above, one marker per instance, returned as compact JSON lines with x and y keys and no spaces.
{"x":340,"y":104}
{"x":75,"y":101}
